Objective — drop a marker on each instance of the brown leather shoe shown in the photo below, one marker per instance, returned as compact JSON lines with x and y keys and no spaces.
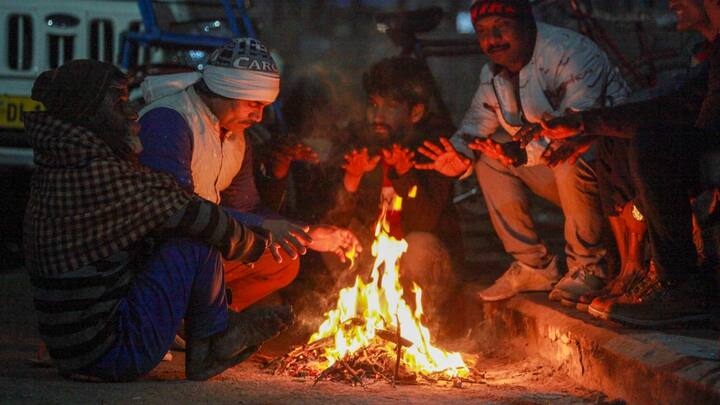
{"x":246,"y":331}
{"x":635,"y":286}
{"x":667,"y":303}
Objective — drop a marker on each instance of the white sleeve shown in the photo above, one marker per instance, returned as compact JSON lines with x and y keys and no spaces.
{"x":587,"y":77}
{"x":480,"y":119}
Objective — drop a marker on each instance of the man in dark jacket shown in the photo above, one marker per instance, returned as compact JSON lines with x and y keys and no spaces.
{"x":110,"y":285}
{"x":671,"y":136}
{"x":380,"y":177}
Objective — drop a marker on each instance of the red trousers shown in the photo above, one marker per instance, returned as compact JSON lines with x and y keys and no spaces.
{"x":250,"y":284}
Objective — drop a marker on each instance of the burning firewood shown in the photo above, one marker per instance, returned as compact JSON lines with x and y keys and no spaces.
{"x":373,"y":335}
{"x":372,"y":364}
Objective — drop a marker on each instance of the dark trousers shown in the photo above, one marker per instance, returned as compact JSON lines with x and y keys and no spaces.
{"x":615,"y":185}
{"x":665,"y":167}
{"x":182,"y":279}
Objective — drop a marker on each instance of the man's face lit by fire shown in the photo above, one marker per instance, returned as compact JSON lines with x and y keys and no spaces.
{"x":506,"y":41}
{"x":388,"y":118}
{"x":690,"y":13}
{"x":238,"y":115}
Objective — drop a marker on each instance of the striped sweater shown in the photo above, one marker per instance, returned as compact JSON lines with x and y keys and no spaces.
{"x":77,"y":310}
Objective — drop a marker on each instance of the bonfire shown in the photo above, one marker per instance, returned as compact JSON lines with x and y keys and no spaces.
{"x":373,"y":333}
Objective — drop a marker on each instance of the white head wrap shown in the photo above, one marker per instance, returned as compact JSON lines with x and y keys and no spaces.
{"x":242,"y":84}
{"x":242,"y":69}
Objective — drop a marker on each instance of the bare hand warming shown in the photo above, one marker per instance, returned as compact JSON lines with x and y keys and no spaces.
{"x":357,"y":163}
{"x":291,"y":237}
{"x":493,"y":150}
{"x":328,"y":238}
{"x":402,"y":159}
{"x":281,"y":158}
{"x":567,"y":150}
{"x":562,"y":127}
{"x":445,"y":159}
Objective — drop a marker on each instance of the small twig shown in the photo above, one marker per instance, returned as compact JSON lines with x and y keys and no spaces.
{"x":324,"y":373}
{"x":319,"y":343}
{"x":352,"y":372}
{"x":427,"y":377}
{"x":398,"y":351}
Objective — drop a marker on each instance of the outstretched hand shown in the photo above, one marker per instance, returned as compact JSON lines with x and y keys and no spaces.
{"x":567,"y":150}
{"x":444,"y":158}
{"x":402,"y":159}
{"x":283,"y":156}
{"x":562,"y":127}
{"x":290,"y":237}
{"x":493,"y":150}
{"x":339,"y":241}
{"x":357,"y":163}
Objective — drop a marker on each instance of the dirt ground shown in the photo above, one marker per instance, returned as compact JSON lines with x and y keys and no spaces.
{"x":508,"y":378}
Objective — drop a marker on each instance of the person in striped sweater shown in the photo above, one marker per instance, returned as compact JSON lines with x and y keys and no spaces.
{"x":119,"y":255}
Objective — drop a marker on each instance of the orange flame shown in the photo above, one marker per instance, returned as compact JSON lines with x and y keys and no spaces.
{"x":380,"y":305}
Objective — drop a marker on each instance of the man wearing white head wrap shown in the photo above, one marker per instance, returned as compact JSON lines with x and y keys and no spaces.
{"x":193,"y":128}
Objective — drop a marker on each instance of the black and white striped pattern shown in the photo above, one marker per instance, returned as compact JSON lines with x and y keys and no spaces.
{"x":77,"y":311}
{"x":206,"y":221}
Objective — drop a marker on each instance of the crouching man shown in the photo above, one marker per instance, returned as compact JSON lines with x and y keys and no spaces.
{"x":194,"y":128}
{"x":379,"y":176}
{"x":110,"y":286}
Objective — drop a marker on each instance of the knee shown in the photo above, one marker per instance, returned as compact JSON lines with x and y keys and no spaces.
{"x":423,"y":242}
{"x":578,"y":179}
{"x":426,"y":255}
{"x":485,"y":167}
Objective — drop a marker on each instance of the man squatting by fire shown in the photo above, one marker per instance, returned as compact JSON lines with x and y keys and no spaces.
{"x":672,"y":141}
{"x":535,"y":69}
{"x":147,"y":204}
{"x":119,"y":255}
{"x":99,"y":225}
{"x":194,"y":129}
{"x":379,"y":176}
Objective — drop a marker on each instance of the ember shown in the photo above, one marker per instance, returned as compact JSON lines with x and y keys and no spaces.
{"x":373,"y":333}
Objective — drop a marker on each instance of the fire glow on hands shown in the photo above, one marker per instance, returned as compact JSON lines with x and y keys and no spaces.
{"x":509,"y":153}
{"x":290,"y":237}
{"x":339,"y":241}
{"x":567,"y":126}
{"x":402,"y":159}
{"x":357,"y":163}
{"x":283,"y":156}
{"x":444,"y":158}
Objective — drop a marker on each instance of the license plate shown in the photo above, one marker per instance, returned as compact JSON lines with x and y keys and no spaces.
{"x":12,"y":109}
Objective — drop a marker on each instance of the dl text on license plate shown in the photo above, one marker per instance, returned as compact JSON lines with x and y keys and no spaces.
{"x":12,"y":109}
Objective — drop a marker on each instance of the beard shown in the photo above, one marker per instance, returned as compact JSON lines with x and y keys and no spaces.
{"x":120,"y":136}
{"x":388,"y":138}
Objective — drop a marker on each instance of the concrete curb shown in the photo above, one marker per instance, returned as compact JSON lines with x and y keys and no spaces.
{"x":639,"y":366}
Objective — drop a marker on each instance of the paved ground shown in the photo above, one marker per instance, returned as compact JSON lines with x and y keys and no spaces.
{"x":554,"y":350}
{"x":509,"y":378}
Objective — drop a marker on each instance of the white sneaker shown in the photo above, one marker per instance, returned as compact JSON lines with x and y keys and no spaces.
{"x":578,"y":282}
{"x":520,"y":277}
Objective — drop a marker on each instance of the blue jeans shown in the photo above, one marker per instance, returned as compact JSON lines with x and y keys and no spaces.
{"x":181,"y":279}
